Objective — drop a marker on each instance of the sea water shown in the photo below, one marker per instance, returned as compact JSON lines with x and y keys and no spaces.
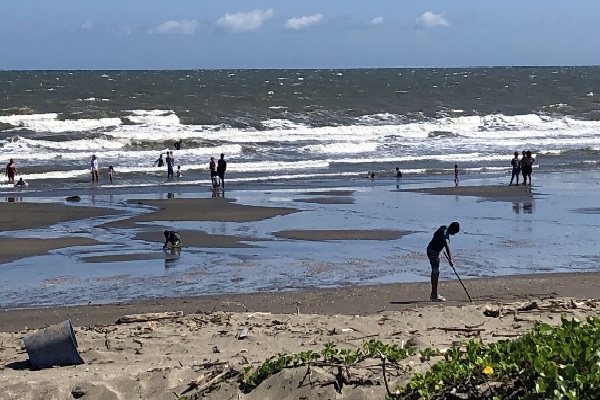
{"x":292,"y":126}
{"x":286,"y":133}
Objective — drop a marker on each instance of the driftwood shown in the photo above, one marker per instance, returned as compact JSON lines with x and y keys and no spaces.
{"x":196,"y":383}
{"x":508,"y":334}
{"x":364,"y":337}
{"x":149,"y":317}
{"x":450,"y":329}
{"x":528,"y":307}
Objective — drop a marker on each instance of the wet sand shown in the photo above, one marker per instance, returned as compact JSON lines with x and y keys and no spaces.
{"x":14,"y":249}
{"x":356,"y":234}
{"x":18,"y":216}
{"x":492,"y":192}
{"x":348,"y":300}
{"x":214,"y":209}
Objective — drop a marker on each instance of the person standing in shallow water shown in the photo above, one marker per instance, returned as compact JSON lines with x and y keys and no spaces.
{"x":94,"y":168}
{"x":456,"y":174}
{"x":439,"y":242}
{"x":160,"y":162}
{"x":527,"y":167}
{"x":516,"y":168}
{"x":170,"y":161}
{"x":221,"y":167}
{"x":11,"y":171}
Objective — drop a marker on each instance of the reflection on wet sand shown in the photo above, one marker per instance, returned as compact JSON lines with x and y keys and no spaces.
{"x":172,"y":256}
{"x":527,"y":207}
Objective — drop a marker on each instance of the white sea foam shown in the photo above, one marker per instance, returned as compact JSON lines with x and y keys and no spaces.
{"x":341,"y":148}
{"x":51,"y":123}
{"x":471,"y":141}
{"x":153,"y":117}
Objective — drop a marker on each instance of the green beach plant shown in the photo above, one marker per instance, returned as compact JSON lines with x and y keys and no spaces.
{"x":547,"y":363}
{"x":556,"y":363}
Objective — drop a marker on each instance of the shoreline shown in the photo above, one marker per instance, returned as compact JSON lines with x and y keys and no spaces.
{"x":355,"y":300}
{"x":257,"y":242}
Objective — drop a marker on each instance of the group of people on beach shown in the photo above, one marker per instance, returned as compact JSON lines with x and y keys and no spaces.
{"x":94,"y":169}
{"x":523,"y":166}
{"x":169,"y":160}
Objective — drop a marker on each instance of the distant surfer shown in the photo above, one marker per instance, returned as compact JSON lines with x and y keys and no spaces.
{"x":172,"y":239}
{"x":160,"y":161}
{"x":398,"y":172}
{"x":178,"y":144}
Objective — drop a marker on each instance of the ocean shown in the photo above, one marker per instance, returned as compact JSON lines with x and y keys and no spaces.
{"x":287,"y":134}
{"x":289,"y":127}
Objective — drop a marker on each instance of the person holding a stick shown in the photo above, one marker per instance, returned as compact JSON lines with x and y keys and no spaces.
{"x":439,"y":242}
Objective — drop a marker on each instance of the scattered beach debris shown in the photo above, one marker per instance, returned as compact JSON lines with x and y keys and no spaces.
{"x":243,"y":333}
{"x":149,"y":317}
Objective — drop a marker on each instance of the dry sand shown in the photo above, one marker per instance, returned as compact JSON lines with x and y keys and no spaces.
{"x":158,"y":359}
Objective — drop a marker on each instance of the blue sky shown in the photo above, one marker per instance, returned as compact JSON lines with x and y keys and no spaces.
{"x":204,"y":34}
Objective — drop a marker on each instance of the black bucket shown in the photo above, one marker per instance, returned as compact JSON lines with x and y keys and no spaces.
{"x":53,"y":346}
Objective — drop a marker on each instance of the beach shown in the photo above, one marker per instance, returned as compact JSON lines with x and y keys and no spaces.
{"x":162,"y":355}
{"x":307,"y":270}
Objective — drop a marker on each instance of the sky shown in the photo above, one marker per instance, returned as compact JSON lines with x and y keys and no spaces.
{"x":242,"y":34}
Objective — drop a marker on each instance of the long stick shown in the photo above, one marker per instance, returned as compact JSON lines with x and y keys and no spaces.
{"x":456,"y":273}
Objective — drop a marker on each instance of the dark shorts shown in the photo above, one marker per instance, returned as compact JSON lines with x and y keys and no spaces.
{"x":515,"y":171}
{"x":221,"y":174}
{"x":434,"y":260}
{"x":526,"y":171}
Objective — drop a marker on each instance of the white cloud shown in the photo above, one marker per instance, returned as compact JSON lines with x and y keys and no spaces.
{"x":430,"y":20}
{"x":245,"y":21}
{"x":185,"y":27}
{"x":377,"y":20}
{"x":303,"y":22}
{"x":87,"y":25}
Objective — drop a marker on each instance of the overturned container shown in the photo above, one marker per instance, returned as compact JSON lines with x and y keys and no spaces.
{"x":55,"y":345}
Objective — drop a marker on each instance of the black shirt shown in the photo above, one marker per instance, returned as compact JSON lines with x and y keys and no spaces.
{"x":221,"y":165}
{"x":440,"y":238}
